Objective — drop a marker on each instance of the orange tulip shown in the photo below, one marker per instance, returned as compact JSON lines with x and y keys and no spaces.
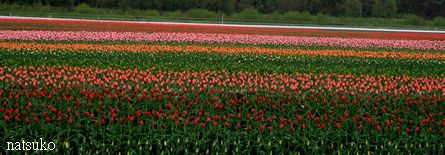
{"x":218,"y":49}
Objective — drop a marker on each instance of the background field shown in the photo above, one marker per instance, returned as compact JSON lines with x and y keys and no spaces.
{"x":405,"y":14}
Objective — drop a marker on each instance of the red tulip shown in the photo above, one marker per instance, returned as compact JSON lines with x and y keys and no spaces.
{"x":216,"y":118}
{"x":86,"y":113}
{"x":130,"y":118}
{"x":138,"y":113}
{"x":337,"y":125}
{"x":178,"y":122}
{"x":169,"y":106}
{"x":215,"y":124}
{"x":378,"y":128}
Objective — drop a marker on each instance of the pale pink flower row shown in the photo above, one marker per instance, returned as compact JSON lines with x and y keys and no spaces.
{"x":221,"y":38}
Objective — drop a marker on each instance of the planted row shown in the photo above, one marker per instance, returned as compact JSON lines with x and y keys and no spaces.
{"x":197,"y":61}
{"x":221,"y":38}
{"x":218,"y":49}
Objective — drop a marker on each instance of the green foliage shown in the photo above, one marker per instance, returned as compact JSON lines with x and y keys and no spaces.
{"x":248,"y":14}
{"x":201,"y":13}
{"x":275,"y":16}
{"x":325,"y":18}
{"x":439,"y":21}
{"x":413,"y":19}
{"x":353,"y":8}
{"x":152,"y":13}
{"x":385,"y":8}
{"x":84,"y":9}
{"x":28,"y":8}
{"x":173,"y":14}
{"x":69,"y":4}
{"x":226,"y":6}
{"x":124,"y":5}
{"x":14,"y":7}
{"x":42,"y":8}
{"x":297,"y":16}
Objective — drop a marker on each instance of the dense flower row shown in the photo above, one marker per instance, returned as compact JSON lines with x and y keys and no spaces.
{"x":217,"y":49}
{"x":198,"y":61}
{"x":263,"y":102}
{"x":221,"y":38}
{"x":116,"y":26}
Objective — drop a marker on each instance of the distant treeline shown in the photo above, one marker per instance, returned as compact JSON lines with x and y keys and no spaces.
{"x":427,"y":9}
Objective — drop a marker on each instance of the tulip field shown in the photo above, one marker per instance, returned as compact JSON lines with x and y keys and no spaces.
{"x":97,"y":87}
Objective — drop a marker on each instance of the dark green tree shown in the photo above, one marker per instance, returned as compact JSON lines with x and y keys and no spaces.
{"x":353,"y":8}
{"x":68,"y":4}
{"x":331,"y":7}
{"x":240,"y":5}
{"x":385,"y":8}
{"x":284,"y":6}
{"x":124,"y":5}
{"x":226,"y":6}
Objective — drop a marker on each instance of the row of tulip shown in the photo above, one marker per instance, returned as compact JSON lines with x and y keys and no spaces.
{"x":262,"y":106}
{"x":220,"y":38}
{"x":232,"y":62}
{"x":218,"y":49}
{"x":117,"y":26}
